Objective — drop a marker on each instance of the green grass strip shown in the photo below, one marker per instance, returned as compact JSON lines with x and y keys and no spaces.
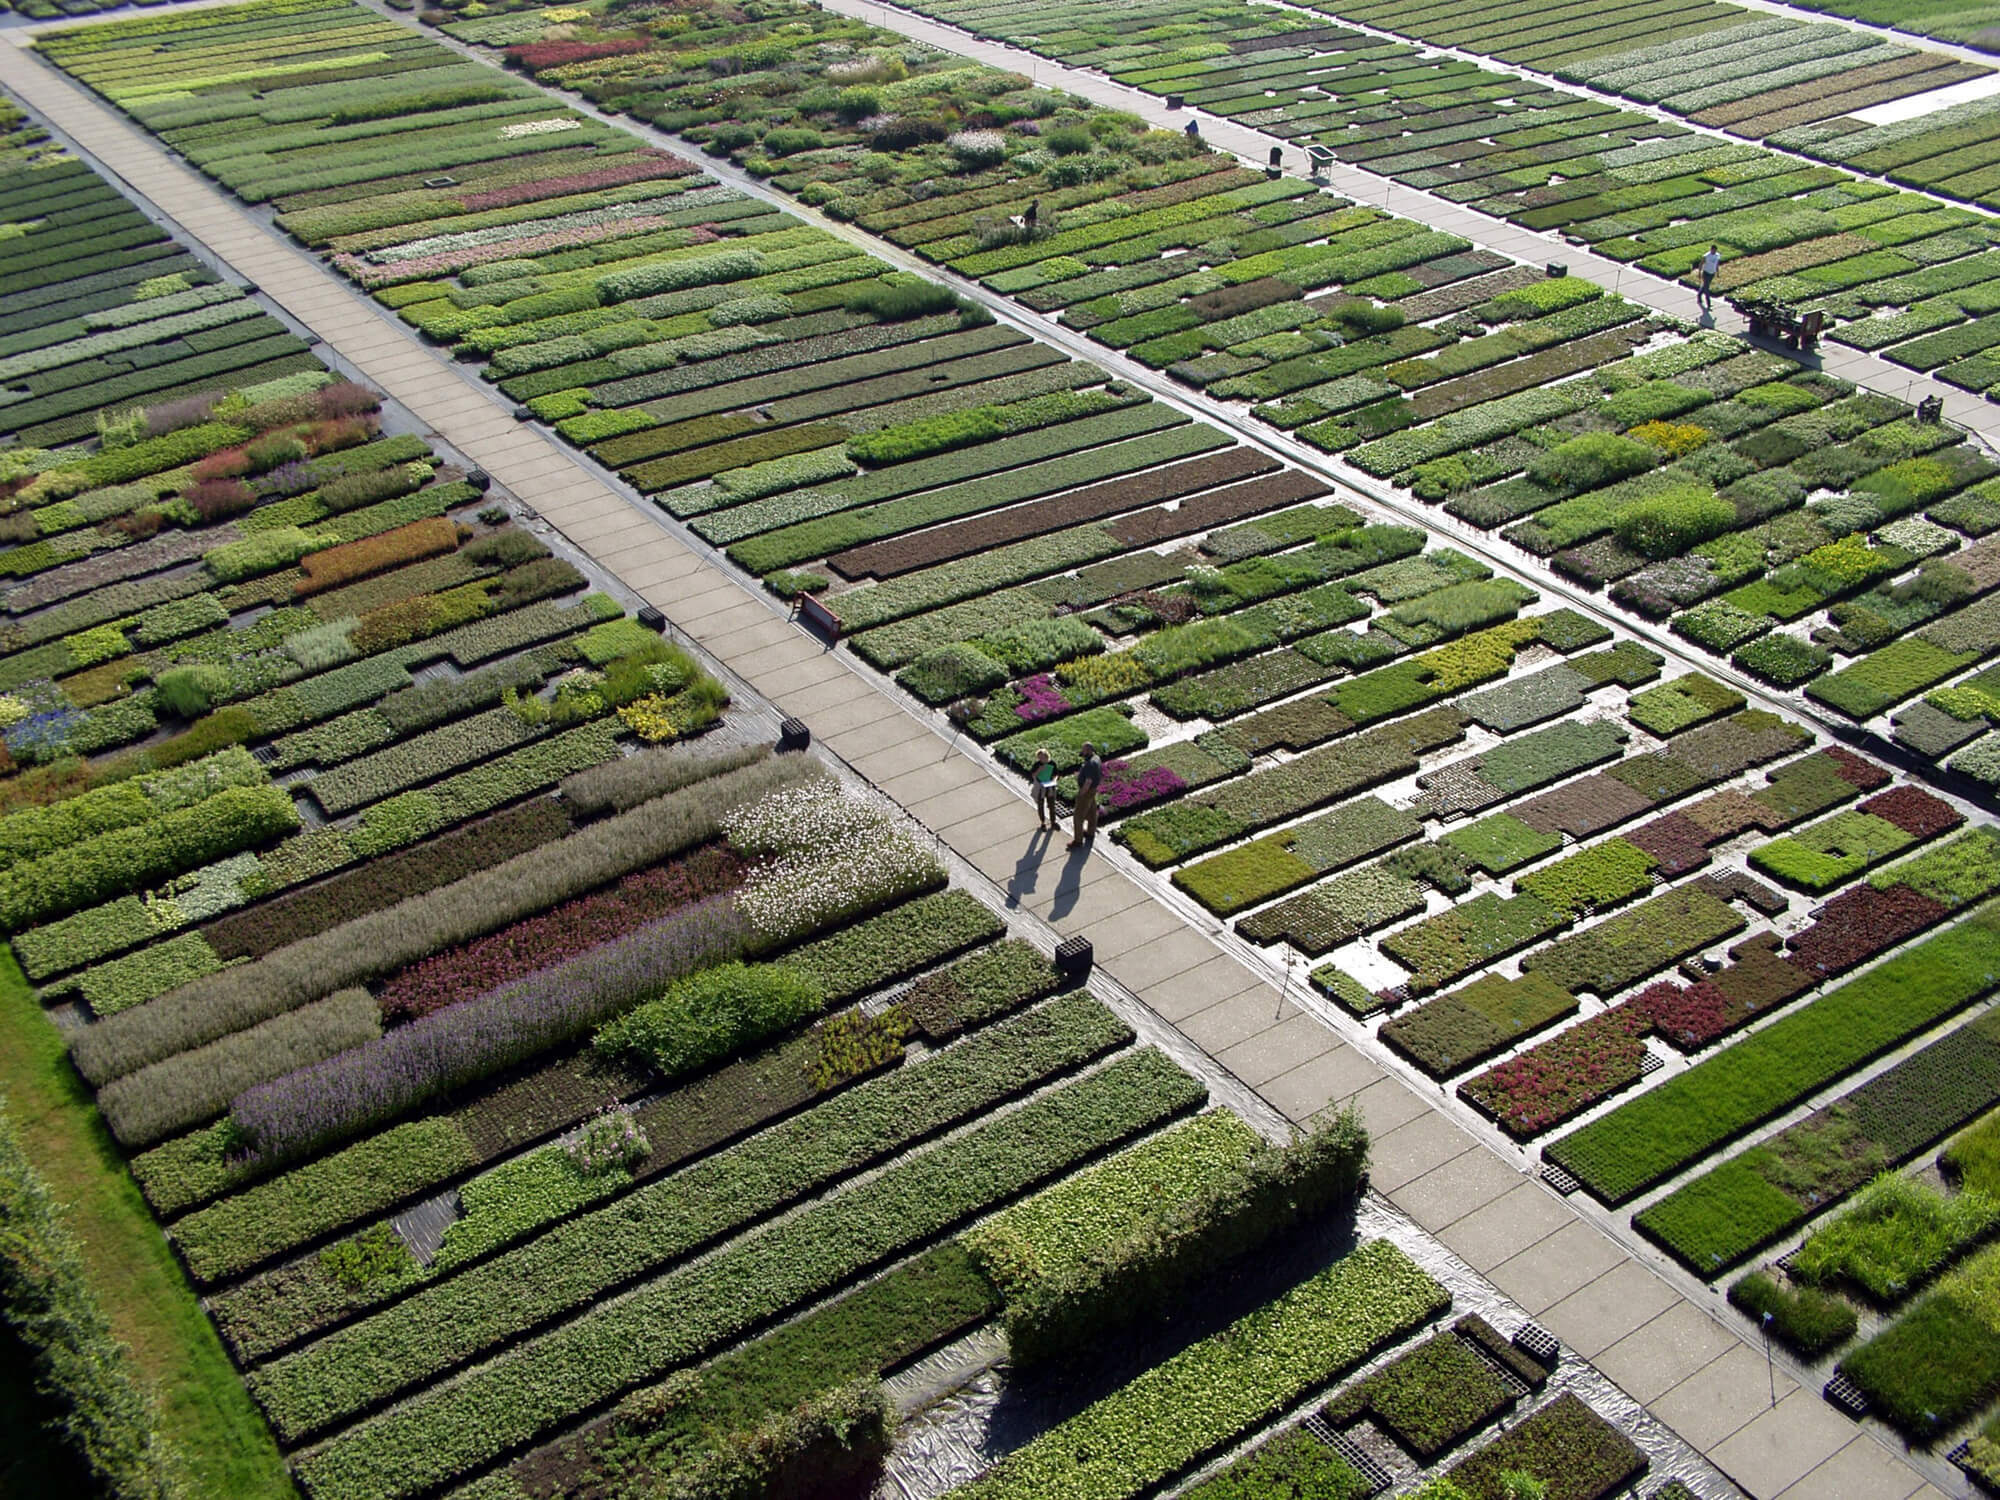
{"x":204,"y":1411}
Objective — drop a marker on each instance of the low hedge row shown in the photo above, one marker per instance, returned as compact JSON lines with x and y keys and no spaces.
{"x":298,"y":1299}
{"x":1223,"y":1385}
{"x":324,"y":1195}
{"x":1150,"y":1238}
{"x":667,"y":1219}
{"x":99,"y":1413}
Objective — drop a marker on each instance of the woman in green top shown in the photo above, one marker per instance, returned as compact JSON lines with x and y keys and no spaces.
{"x":1044,"y":774}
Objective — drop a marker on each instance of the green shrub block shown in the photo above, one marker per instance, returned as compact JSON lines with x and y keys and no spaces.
{"x":1267,"y":867}
{"x":1110,"y":730}
{"x":1469,"y":1025}
{"x":1688,"y":700}
{"x":1501,"y":842}
{"x":951,"y":672}
{"x":1602,"y":875}
{"x":1804,"y":1319}
{"x":1882,"y":679}
{"x":1818,"y":858}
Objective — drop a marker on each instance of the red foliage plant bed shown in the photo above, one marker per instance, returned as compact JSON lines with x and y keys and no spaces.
{"x":655,"y":164}
{"x":335,"y":566}
{"x":1565,"y":1075}
{"x":1915,"y":811}
{"x":1860,"y":923}
{"x":532,"y":57}
{"x":1759,"y":978}
{"x":560,"y":933}
{"x":1576,"y":1069}
{"x":1851,"y":767}
{"x":1676,"y":842}
{"x":219,"y":499}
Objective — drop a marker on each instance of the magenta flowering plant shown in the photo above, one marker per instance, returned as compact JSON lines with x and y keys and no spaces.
{"x":610,"y":1138}
{"x":445,"y":262}
{"x":523,"y":947}
{"x":1125,"y":789}
{"x":655,"y":164}
{"x":1040,"y":699}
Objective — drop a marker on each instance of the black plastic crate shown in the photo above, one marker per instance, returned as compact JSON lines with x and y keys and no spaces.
{"x":1538,"y":1344}
{"x":1074,"y":956}
{"x":1844,"y":1396}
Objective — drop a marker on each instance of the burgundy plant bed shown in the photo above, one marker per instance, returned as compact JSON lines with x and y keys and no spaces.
{"x":1688,"y":1018}
{"x":1853,"y":768}
{"x":904,"y":554}
{"x":1915,"y":811}
{"x":1583,"y":807}
{"x":1676,"y":842}
{"x":1219,"y":508}
{"x":532,"y":57}
{"x":575,"y":926}
{"x":1565,"y":1075}
{"x":1860,"y":923}
{"x":1734,"y":885}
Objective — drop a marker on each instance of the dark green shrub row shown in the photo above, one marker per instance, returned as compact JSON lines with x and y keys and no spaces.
{"x":110,"y":864}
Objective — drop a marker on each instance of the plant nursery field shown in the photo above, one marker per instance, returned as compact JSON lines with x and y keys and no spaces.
{"x":993,"y":553}
{"x":1816,"y":537}
{"x":1531,"y":152}
{"x":545,"y":1087}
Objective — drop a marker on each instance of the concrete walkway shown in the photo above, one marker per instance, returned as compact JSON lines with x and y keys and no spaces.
{"x":1530,"y":247}
{"x":1691,"y":1368}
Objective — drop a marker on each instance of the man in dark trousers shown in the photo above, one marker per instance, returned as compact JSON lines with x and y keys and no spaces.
{"x":1710,"y":264}
{"x":1089,"y":777}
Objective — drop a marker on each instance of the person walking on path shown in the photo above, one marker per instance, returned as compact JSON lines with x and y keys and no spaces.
{"x":1089,"y":776}
{"x":1044,"y":775}
{"x":1710,"y":264}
